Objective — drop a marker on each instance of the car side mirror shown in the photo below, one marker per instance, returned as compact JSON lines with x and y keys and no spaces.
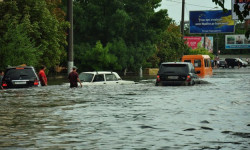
{"x":197,"y":72}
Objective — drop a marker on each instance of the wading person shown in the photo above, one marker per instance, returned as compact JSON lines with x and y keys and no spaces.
{"x":74,"y":78}
{"x":42,"y":76}
{"x":1,"y":77}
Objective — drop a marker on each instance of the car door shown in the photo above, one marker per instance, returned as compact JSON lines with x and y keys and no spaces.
{"x":99,"y":79}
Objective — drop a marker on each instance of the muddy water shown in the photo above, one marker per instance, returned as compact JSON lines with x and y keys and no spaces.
{"x":141,"y":116}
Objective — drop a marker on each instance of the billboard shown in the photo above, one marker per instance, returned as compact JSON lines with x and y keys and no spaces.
{"x":238,"y":41}
{"x":198,"y":41}
{"x":241,"y":4}
{"x":214,"y":21}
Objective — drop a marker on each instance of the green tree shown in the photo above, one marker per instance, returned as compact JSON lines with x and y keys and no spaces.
{"x":98,"y":58}
{"x":119,"y":48}
{"x":201,"y":51}
{"x":16,"y":47}
{"x":171,"y":47}
{"x":45,"y":28}
{"x":132,"y":24}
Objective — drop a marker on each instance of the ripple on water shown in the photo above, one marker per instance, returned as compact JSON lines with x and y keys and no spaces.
{"x":139,"y":116}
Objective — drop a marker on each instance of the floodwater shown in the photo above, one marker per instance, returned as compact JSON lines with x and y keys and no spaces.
{"x":139,"y":116}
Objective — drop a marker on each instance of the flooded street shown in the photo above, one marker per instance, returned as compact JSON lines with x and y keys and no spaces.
{"x":139,"y":116}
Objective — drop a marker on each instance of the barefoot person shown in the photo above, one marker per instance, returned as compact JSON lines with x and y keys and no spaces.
{"x":74,"y":78}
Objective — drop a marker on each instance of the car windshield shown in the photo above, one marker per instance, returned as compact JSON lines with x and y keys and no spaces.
{"x":174,"y":68}
{"x":20,"y":74}
{"x":86,"y":77}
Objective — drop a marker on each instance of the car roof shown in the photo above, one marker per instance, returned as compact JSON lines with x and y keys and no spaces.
{"x":195,"y":56}
{"x":14,"y":67}
{"x":103,"y":72}
{"x":99,"y":72}
{"x":176,"y":63}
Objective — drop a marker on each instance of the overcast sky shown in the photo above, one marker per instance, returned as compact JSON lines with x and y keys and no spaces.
{"x":174,"y":7}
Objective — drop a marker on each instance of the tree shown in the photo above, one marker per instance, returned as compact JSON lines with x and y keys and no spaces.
{"x":98,"y":58}
{"x":201,"y":51}
{"x":171,"y":47}
{"x":43,"y":26}
{"x":132,"y":24}
{"x":16,"y":47}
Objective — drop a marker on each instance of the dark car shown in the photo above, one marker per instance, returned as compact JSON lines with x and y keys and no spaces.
{"x":232,"y":62}
{"x":20,"y":77}
{"x":176,"y":73}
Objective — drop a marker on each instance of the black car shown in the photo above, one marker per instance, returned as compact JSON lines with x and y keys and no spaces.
{"x":176,"y":73}
{"x":20,"y":77}
{"x":232,"y":62}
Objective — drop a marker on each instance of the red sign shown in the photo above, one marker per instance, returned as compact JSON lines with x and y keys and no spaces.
{"x":193,"y":41}
{"x":198,"y":41}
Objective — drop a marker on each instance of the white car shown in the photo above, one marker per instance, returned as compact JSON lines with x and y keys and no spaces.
{"x":102,"y":78}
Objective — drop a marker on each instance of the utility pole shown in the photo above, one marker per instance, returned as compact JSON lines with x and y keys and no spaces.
{"x":205,"y":36}
{"x":182,"y":18}
{"x":70,"y":35}
{"x":217,"y":44}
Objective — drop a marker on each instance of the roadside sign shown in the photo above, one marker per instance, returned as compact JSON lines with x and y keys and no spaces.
{"x":214,"y":21}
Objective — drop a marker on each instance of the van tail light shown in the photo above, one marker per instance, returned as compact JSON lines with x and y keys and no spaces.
{"x":188,"y":78}
{"x":158,"y":78}
{"x":36,"y":82}
{"x":4,"y":84}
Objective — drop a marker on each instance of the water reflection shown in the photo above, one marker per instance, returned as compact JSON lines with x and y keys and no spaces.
{"x":138,"y":116}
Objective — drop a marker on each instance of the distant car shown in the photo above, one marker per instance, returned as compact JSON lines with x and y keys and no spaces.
{"x":244,"y":63}
{"x":20,"y":77}
{"x":176,"y":73}
{"x":102,"y":78}
{"x":223,"y":64}
{"x":232,"y":62}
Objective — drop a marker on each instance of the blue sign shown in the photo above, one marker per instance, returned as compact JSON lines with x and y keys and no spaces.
{"x":238,"y":41}
{"x":215,"y":21}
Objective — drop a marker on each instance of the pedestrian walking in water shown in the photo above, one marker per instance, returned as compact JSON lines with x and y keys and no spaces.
{"x":1,"y":77}
{"x":42,"y":76}
{"x":74,"y":78}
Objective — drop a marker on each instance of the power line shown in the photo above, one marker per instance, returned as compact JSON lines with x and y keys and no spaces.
{"x":189,"y":4}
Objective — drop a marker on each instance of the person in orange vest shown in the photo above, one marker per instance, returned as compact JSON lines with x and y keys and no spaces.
{"x":42,"y":76}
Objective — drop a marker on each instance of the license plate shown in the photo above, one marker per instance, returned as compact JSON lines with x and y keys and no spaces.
{"x":20,"y":82}
{"x":173,"y":77}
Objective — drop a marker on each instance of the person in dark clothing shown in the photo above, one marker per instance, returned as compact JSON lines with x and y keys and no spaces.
{"x":74,"y":78}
